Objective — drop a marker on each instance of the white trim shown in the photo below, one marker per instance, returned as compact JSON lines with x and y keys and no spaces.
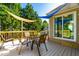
{"x":75,"y":26}
{"x":64,"y":39}
{"x":74,"y":13}
{"x":62,"y":26}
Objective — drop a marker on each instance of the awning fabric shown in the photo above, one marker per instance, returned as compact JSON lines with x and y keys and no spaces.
{"x":54,"y":12}
{"x":19,"y":18}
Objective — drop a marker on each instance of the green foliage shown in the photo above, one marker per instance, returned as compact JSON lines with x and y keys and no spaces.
{"x":29,"y":13}
{"x":7,"y":22}
{"x":44,"y":25}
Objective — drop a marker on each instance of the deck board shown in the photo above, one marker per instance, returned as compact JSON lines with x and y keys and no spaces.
{"x":59,"y":51}
{"x":77,"y":52}
{"x":73,"y":53}
{"x":54,"y":49}
{"x":67,"y":52}
{"x":51,"y":51}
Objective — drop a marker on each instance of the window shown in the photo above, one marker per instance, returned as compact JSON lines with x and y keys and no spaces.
{"x":58,"y":27}
{"x":64,"y":26}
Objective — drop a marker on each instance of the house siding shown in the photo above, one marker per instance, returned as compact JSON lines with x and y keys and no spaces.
{"x":51,"y":21}
{"x":78,"y":25}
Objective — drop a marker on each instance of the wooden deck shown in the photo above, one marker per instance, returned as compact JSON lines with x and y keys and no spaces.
{"x":53,"y":50}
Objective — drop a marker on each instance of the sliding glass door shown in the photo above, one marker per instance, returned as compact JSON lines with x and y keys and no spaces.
{"x":64,"y":26}
{"x":68,"y":26}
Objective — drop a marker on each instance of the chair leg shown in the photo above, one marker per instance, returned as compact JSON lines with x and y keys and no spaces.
{"x":2,"y":45}
{"x":20,"y":50}
{"x":45,"y":46}
{"x":38,"y":50}
{"x":19,"y":41}
{"x":27,"y":40}
{"x":32,"y":45}
{"x":27,"y":44}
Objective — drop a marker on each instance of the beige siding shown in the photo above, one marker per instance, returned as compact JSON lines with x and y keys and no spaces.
{"x":51,"y":27}
{"x":77,"y":25}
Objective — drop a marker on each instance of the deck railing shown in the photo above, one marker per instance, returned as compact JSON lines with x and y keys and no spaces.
{"x":17,"y":34}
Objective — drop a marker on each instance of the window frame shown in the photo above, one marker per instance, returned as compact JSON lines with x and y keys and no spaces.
{"x":74,"y":19}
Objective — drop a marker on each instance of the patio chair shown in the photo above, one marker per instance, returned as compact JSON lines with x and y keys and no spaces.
{"x":22,"y":44}
{"x":25,"y":42}
{"x":5,"y":40}
{"x":38,"y":42}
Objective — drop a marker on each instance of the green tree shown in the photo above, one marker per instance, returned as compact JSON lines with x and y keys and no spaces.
{"x":8,"y":22}
{"x":29,"y":13}
{"x":44,"y":24}
{"x":17,"y":11}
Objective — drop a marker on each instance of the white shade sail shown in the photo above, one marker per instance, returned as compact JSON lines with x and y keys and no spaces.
{"x":19,"y":18}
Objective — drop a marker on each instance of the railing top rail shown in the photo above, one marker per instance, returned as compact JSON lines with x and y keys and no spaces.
{"x":16,"y":31}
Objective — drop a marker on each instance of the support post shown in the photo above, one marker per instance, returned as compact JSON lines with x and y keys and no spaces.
{"x":22,"y":29}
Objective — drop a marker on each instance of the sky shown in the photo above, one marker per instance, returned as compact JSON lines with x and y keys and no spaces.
{"x":42,"y":8}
